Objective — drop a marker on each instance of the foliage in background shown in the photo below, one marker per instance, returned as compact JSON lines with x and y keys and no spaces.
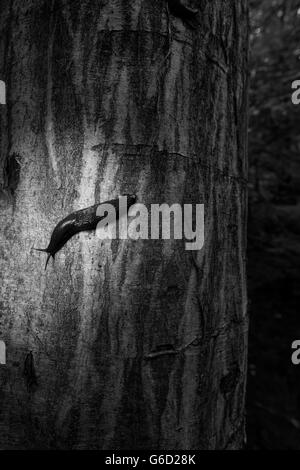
{"x":274,"y":226}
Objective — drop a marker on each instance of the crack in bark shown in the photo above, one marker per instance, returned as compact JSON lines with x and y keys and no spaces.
{"x":167,"y":352}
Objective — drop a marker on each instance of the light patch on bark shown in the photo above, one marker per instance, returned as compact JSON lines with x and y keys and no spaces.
{"x":49,"y":120}
{"x":86,"y":190}
{"x":89,"y":172}
{"x":109,"y":188}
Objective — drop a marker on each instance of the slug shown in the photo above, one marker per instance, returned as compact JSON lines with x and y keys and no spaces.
{"x":84,"y":219}
{"x":187,"y":14}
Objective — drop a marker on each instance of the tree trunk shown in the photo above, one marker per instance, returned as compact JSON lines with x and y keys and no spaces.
{"x":106,"y":98}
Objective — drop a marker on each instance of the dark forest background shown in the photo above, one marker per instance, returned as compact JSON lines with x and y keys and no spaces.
{"x":273,"y":397}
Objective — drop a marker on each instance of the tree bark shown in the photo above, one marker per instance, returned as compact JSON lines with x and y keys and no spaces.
{"x":106,"y":98}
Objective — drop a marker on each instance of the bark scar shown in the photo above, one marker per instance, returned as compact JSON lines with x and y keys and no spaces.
{"x":170,"y":350}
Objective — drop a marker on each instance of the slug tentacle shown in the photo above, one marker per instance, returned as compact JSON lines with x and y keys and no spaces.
{"x":83,"y":219}
{"x":47,"y":260}
{"x":46,"y":251}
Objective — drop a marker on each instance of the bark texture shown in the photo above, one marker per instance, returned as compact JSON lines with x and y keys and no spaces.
{"x":106,"y":98}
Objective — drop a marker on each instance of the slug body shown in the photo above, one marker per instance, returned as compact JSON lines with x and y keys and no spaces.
{"x":180,"y":10}
{"x":78,"y":221}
